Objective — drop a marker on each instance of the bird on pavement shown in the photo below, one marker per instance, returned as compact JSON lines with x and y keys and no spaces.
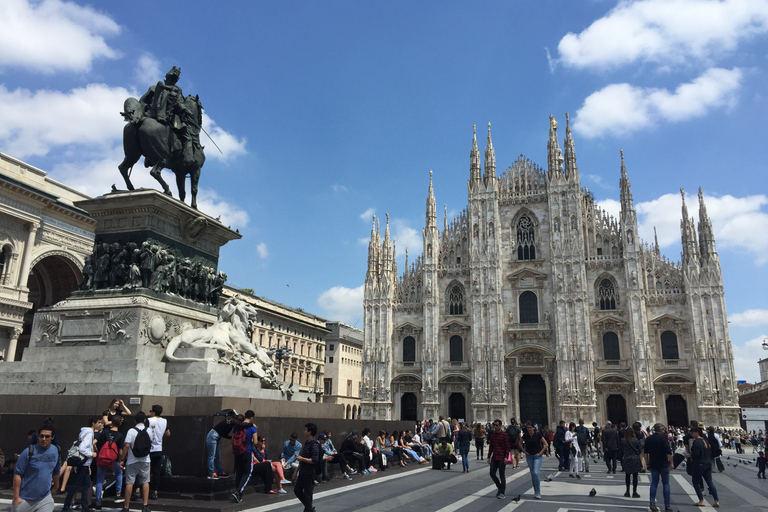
{"x":516,"y":499}
{"x":592,"y":493}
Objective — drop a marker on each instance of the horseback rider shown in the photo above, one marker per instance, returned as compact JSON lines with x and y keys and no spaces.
{"x":164,"y":102}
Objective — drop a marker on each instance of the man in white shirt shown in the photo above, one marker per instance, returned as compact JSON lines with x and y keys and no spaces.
{"x":83,"y":471}
{"x":135,"y":468}
{"x":158,"y":429}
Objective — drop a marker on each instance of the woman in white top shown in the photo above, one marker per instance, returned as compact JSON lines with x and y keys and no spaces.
{"x":573,"y":443}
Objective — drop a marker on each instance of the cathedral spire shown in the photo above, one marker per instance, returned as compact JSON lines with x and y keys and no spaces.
{"x":406,"y":261}
{"x":571,"y":169}
{"x":431,"y":208}
{"x":655,"y":241}
{"x":688,"y":236}
{"x":373,"y":253}
{"x":386,"y":249}
{"x":626,"y":187}
{"x":445,"y":218}
{"x":554,"y":156}
{"x":474,"y":158}
{"x":706,"y":234}
{"x":490,"y":157}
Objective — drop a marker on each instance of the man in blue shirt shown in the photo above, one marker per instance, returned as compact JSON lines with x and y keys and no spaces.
{"x":244,"y":461}
{"x":37,"y":468}
{"x":291,"y":449}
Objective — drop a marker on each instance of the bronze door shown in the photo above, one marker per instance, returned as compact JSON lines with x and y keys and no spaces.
{"x":533,"y":400}
{"x":677,"y":411}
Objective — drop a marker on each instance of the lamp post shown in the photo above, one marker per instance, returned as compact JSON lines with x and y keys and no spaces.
{"x":280,"y":353}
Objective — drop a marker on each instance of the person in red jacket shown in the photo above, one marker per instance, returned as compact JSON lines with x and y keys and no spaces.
{"x":498,"y":451}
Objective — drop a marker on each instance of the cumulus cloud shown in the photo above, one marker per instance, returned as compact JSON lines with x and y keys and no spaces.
{"x":262,"y":251}
{"x":620,"y":109}
{"x":214,"y":205}
{"x":229,"y":144}
{"x":52,"y":36}
{"x":148,"y":69}
{"x":342,"y":304}
{"x":749,"y":318}
{"x":745,"y":358}
{"x":367,"y":215}
{"x":734,"y":221}
{"x":338,"y":188}
{"x":664,"y":32}
{"x":406,"y":237}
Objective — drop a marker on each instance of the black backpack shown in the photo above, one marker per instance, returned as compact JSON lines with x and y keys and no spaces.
{"x":142,"y":444}
{"x":513,"y":432}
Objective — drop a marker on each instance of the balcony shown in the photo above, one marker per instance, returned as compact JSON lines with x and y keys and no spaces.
{"x":613,"y":364}
{"x":672,"y":364}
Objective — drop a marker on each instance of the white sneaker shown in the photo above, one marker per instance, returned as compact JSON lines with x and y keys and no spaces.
{"x":537,"y":496}
{"x":284,"y":482}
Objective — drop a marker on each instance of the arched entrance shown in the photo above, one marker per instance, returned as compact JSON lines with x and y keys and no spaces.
{"x":408,"y":407}
{"x":533,"y":400}
{"x":617,"y":409}
{"x":457,"y":406}
{"x":677,"y":411}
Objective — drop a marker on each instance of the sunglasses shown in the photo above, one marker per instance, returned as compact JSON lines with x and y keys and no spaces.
{"x":43,"y":436}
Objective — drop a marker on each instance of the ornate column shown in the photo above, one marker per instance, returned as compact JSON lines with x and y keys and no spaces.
{"x":26,"y":259}
{"x":15,"y":333}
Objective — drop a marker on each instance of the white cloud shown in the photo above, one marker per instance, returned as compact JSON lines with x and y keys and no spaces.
{"x":407,"y":238}
{"x":664,"y":32}
{"x":749,"y":318}
{"x":342,"y":304}
{"x":52,"y":36}
{"x":338,"y":188}
{"x":367,"y":215}
{"x":210,"y":203}
{"x":745,"y":358}
{"x":620,"y":109}
{"x":262,"y":251}
{"x":229,"y":144}
{"x":148,"y":69}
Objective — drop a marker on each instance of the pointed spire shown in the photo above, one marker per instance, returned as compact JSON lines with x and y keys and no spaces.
{"x":386,"y":249}
{"x":555,"y":157}
{"x":406,"y":261}
{"x":490,"y":156}
{"x":688,"y":236}
{"x":571,"y":169}
{"x":706,"y":234}
{"x":474,"y":157}
{"x":431,"y":208}
{"x":445,"y":218}
{"x":655,"y":240}
{"x":627,"y":204}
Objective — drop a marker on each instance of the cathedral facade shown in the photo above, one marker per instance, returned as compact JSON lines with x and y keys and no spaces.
{"x":536,"y":304}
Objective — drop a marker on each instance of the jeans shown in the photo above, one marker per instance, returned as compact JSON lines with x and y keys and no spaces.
{"x":464,"y":451}
{"x":81,"y":483}
{"x":303,"y":490}
{"x":664,"y":474}
{"x":214,"y":452}
{"x":501,"y":481}
{"x":534,"y":465}
{"x":703,"y":471}
{"x":101,"y":472}
{"x":565,"y":454}
{"x":155,"y":460}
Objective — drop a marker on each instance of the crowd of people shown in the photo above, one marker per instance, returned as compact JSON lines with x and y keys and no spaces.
{"x":134,"y":455}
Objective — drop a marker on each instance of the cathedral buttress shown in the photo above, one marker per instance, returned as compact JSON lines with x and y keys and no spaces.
{"x":431,"y":306}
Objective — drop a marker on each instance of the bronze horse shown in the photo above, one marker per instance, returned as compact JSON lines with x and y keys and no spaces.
{"x":160,"y":146}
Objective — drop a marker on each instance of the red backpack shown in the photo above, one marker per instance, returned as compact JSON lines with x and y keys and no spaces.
{"x":240,"y":441}
{"x":108,"y":454}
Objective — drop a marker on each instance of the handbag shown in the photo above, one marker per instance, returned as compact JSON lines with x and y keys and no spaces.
{"x":720,"y":466}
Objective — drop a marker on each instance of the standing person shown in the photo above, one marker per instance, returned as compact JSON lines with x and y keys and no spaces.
{"x":244,"y":439}
{"x":83,"y":471}
{"x":610,"y":440}
{"x":534,"y":446}
{"x":479,"y":433}
{"x":158,"y":429}
{"x":658,"y":458}
{"x":596,"y":438}
{"x":213,"y":443}
{"x":761,"y":465}
{"x":308,"y":458}
{"x":108,"y":445}
{"x":562,"y":452}
{"x":36,"y":470}
{"x":631,"y":449}
{"x":498,"y":451}
{"x":134,"y":461}
{"x":702,"y":467}
{"x":513,"y":431}
{"x":463,"y":439}
{"x":583,"y":438}
{"x":573,"y":450}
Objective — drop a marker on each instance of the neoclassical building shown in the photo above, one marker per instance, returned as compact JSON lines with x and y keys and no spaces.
{"x":535,"y":303}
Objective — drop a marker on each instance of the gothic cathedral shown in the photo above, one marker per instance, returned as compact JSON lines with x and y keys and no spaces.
{"x":534,"y":303}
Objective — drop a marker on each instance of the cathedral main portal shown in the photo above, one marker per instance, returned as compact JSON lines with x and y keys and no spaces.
{"x":533,"y":400}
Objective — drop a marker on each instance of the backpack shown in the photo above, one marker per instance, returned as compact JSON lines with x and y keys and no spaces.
{"x":240,"y":441}
{"x":74,"y":457}
{"x":582,"y":437}
{"x":514,"y":435}
{"x":142,"y":444}
{"x":108,"y":453}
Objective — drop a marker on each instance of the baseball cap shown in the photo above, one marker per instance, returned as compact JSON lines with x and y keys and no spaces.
{"x":322,"y":437}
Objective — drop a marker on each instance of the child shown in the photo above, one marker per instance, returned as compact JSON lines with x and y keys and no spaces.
{"x":761,"y":465}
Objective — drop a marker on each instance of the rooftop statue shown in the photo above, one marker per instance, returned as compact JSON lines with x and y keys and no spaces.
{"x":164,"y":127}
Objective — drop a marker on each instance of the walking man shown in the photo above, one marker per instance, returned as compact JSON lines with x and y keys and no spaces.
{"x":610,"y":440}
{"x":513,"y":431}
{"x":658,"y":458}
{"x":498,"y":451}
{"x":38,"y":466}
{"x":158,"y":429}
{"x":582,"y":436}
{"x":308,"y":458}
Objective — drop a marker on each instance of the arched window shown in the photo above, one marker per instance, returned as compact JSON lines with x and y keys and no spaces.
{"x":669,"y":345}
{"x":526,"y":239}
{"x":529,"y":308}
{"x":611,"y":347}
{"x":606,"y":295}
{"x":457,"y":348}
{"x":5,"y":261}
{"x":409,"y":349}
{"x":456,"y":300}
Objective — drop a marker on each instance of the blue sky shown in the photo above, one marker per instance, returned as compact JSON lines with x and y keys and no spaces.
{"x":330,"y":112}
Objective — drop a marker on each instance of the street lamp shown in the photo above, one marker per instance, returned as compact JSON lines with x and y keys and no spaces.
{"x":280,"y":354}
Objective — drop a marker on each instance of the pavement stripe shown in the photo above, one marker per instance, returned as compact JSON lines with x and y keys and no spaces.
{"x":690,"y":491}
{"x":612,"y":505}
{"x":482,"y":492}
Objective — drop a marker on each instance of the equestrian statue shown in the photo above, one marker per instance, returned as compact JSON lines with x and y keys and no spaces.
{"x":164,"y":127}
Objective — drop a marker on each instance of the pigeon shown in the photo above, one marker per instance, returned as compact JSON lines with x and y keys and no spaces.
{"x":592,"y":493}
{"x":728,"y":458}
{"x":516,"y":499}
{"x":62,"y":391}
